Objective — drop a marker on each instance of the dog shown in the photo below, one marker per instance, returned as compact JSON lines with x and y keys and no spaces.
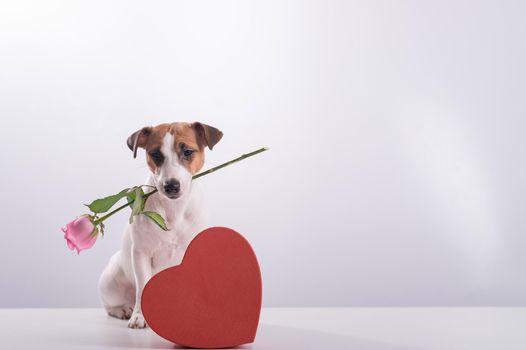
{"x":174,"y":153}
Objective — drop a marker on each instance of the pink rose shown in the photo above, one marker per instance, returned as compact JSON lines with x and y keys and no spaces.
{"x":80,"y":234}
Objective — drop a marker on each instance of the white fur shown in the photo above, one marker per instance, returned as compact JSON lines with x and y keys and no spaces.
{"x":171,"y":167}
{"x":146,"y":249}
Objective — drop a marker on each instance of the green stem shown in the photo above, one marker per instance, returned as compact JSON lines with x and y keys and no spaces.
{"x":211,"y":170}
{"x":101,"y":219}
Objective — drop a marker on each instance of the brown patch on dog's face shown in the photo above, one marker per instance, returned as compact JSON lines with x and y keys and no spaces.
{"x":190,"y":153}
{"x":154,"y":155}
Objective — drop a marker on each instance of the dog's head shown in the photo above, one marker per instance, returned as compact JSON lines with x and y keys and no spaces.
{"x":174,"y":153}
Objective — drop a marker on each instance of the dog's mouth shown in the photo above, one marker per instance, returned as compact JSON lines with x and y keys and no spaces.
{"x":172,"y":196}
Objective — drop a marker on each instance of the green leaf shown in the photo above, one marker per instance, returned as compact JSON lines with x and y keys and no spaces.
{"x":102,"y":205}
{"x":138,"y":203}
{"x":157,"y":218}
{"x":131,"y":197}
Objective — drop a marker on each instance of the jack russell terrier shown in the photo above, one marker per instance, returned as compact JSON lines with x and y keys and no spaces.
{"x":174,"y":153}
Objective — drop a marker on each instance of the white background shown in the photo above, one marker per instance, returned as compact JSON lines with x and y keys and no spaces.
{"x":396,"y":170}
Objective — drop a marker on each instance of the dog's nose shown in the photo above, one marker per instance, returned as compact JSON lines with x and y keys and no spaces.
{"x":172,"y":186}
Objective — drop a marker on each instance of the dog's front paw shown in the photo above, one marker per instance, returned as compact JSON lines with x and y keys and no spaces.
{"x":137,"y":321}
{"x":123,"y":312}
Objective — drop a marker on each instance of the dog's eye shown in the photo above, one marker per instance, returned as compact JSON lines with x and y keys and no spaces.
{"x":187,"y":153}
{"x":156,"y":155}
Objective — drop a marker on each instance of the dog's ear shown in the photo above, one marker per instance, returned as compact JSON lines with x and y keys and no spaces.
{"x":138,"y":139}
{"x":207,"y":135}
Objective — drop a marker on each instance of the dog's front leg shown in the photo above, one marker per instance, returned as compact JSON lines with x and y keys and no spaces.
{"x":142,"y":271}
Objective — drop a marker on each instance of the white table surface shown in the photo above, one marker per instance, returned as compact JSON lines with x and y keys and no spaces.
{"x":284,"y":328}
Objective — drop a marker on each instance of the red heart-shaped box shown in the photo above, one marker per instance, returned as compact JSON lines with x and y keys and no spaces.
{"x":212,"y":299}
